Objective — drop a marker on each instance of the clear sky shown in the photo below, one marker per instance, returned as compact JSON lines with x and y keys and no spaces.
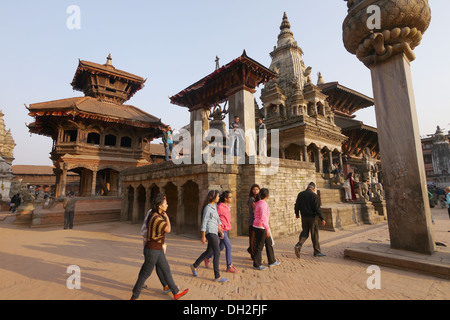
{"x":174,"y":43}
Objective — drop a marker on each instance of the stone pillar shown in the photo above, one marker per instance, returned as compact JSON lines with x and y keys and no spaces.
{"x":58,"y":184}
{"x":63,"y":183}
{"x":180,"y":210}
{"x":388,"y":53}
{"x":198,"y":126}
{"x":135,"y":213}
{"x":148,"y":203}
{"x":242,"y":104}
{"x":405,"y":183}
{"x":305,"y":154}
{"x":319,"y":161}
{"x":124,"y":212}
{"x":330,"y":161}
{"x":93,"y":182}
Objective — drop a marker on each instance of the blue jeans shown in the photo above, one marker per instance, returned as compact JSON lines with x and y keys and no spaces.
{"x":225,"y":243}
{"x":168,"y":147}
{"x":213,"y":249}
{"x":154,"y":258}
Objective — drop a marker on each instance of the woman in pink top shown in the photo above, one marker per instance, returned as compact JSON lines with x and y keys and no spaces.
{"x":262,"y":232}
{"x":223,"y":209}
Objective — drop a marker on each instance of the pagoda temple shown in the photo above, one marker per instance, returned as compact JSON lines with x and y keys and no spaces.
{"x":97,"y":135}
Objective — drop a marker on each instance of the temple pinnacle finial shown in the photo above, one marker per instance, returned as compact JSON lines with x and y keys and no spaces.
{"x":285,"y":24}
{"x":320,"y":79}
{"x":217,"y":63}
{"x":109,"y":60}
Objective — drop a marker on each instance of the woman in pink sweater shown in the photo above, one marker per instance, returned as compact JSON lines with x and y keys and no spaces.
{"x":223,"y":209}
{"x":262,"y":232}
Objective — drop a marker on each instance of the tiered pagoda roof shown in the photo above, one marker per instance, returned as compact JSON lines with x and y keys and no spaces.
{"x":105,"y":82}
{"x":344,"y":101}
{"x":215,"y":88}
{"x":106,"y":89}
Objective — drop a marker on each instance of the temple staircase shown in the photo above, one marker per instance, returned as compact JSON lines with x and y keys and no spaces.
{"x":342,"y":215}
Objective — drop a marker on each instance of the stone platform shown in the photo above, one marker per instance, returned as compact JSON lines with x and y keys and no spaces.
{"x":87,"y":210}
{"x":437,"y":264}
{"x":341,"y":215}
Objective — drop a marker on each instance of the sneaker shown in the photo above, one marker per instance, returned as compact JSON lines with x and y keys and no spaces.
{"x":166,"y":290}
{"x":180,"y":294}
{"x":232,"y":269}
{"x":261,"y":268}
{"x":220,"y":280}
{"x":194,"y":272}
{"x":320,"y":254}
{"x":207,"y":263}
{"x":297,"y":249}
{"x":276,"y":263}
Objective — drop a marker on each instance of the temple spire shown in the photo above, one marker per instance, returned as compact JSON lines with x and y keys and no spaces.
{"x":286,"y":35}
{"x":285,"y":24}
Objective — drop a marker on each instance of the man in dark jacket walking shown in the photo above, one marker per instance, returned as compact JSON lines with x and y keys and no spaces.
{"x":308,"y":205}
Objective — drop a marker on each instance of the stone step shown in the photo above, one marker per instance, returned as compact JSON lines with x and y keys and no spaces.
{"x":345,"y":215}
{"x":330,"y":196}
{"x":7,"y":218}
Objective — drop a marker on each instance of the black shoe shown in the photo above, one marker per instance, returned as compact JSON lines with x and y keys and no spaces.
{"x":297,"y":249}
{"x":320,"y":254}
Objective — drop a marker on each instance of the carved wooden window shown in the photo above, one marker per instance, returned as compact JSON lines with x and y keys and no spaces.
{"x":93,"y":138}
{"x":125,"y":142}
{"x":110,"y":140}
{"x":70,"y":136}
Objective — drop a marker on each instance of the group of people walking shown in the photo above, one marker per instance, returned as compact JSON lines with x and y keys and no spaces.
{"x":215,"y":228}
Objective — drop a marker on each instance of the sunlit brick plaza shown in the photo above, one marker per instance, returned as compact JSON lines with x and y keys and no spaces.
{"x":138,"y":164}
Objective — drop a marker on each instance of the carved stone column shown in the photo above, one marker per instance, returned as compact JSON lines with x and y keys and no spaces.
{"x":180,"y":209}
{"x":135,"y":213}
{"x":199,"y":124}
{"x":387,"y":52}
{"x":319,"y":161}
{"x":63,"y":182}
{"x":305,"y":153}
{"x":93,"y":182}
{"x":125,"y":205}
{"x":242,"y":104}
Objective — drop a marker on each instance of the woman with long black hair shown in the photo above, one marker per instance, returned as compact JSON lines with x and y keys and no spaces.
{"x":158,"y":226}
{"x":211,"y":229}
{"x":223,"y":209}
{"x":263,"y":234}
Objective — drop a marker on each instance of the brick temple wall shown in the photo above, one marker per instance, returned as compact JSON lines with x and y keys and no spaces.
{"x":180,"y":182}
